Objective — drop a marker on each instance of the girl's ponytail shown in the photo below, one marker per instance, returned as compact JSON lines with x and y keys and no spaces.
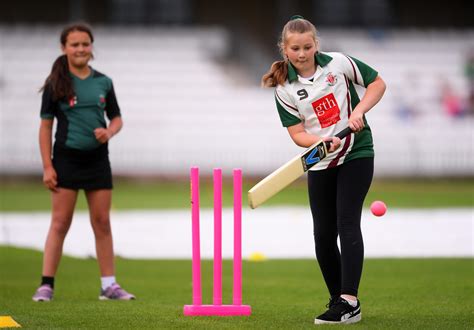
{"x":59,"y":81}
{"x":277,"y":74}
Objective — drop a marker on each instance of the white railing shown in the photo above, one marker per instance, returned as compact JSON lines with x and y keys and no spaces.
{"x":181,"y":108}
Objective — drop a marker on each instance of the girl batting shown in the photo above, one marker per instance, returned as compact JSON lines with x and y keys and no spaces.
{"x":316,"y":98}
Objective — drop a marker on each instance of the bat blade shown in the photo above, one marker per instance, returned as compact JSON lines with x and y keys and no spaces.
{"x":286,"y":174}
{"x":289,"y":172}
{"x":275,"y":182}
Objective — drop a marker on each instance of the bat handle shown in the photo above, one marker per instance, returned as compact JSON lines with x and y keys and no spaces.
{"x":342,"y":134}
{"x":345,"y":132}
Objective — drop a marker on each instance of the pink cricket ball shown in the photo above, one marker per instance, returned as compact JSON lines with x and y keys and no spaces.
{"x":378,"y":208}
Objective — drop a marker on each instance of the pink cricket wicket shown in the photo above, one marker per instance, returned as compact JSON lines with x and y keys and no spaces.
{"x":197,"y":308}
{"x":217,"y":295}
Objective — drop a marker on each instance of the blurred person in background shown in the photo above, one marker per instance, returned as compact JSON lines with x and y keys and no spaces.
{"x":407,"y":106}
{"x":315,"y":98}
{"x":79,"y":98}
{"x":469,"y":71}
{"x":451,"y":101}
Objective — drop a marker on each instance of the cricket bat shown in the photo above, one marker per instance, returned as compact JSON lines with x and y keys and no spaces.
{"x":289,"y":172}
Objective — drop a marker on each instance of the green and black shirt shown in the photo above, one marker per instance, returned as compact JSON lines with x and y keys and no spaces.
{"x":79,"y":117}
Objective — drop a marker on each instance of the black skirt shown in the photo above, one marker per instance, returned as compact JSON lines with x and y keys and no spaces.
{"x":82,"y":169}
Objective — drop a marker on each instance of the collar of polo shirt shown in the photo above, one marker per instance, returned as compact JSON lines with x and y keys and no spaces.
{"x":320,"y":58}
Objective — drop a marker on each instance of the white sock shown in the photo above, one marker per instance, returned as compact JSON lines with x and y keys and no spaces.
{"x":107,"y":281}
{"x":353,"y":303}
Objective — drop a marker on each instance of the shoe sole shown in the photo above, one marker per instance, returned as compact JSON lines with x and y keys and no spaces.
{"x":105,"y":298}
{"x":354,"y":319}
{"x":41,"y":300}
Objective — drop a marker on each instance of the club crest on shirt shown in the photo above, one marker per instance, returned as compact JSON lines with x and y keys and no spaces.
{"x":73,"y":101}
{"x":331,"y":79}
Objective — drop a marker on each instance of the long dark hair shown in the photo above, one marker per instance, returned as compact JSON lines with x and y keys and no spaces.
{"x":59,"y":80}
{"x":278,"y":72}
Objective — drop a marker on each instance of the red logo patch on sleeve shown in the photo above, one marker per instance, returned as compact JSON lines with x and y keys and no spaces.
{"x":327,"y":110}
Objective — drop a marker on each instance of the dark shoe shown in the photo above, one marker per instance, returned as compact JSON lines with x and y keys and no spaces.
{"x":340,"y":312}
{"x":332,"y":301}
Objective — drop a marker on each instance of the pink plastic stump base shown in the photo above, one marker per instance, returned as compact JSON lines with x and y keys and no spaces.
{"x":217,"y":310}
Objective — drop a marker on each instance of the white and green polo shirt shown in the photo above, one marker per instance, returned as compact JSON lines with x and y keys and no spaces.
{"x":325,"y":104}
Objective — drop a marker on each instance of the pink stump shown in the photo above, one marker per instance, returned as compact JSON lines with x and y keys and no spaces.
{"x":217,"y":293}
{"x":197,"y":292}
{"x":237,"y":300}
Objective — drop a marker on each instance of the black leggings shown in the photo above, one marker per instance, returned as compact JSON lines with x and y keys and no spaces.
{"x":336,"y":197}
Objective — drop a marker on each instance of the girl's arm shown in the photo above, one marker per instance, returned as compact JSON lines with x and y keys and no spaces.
{"x":304,"y":139}
{"x":372,"y":96}
{"x":45,"y":143}
{"x":105,"y":134}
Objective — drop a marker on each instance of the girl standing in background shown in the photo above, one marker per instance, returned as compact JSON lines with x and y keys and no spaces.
{"x":79,"y":98}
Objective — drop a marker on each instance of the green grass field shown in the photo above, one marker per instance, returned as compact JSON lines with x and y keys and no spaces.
{"x":284,"y":294}
{"x":154,"y":194}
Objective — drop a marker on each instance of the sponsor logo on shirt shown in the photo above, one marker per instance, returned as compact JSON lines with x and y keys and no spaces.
{"x":327,"y":110}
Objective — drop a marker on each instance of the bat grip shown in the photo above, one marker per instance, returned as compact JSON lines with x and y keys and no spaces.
{"x":342,"y":134}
